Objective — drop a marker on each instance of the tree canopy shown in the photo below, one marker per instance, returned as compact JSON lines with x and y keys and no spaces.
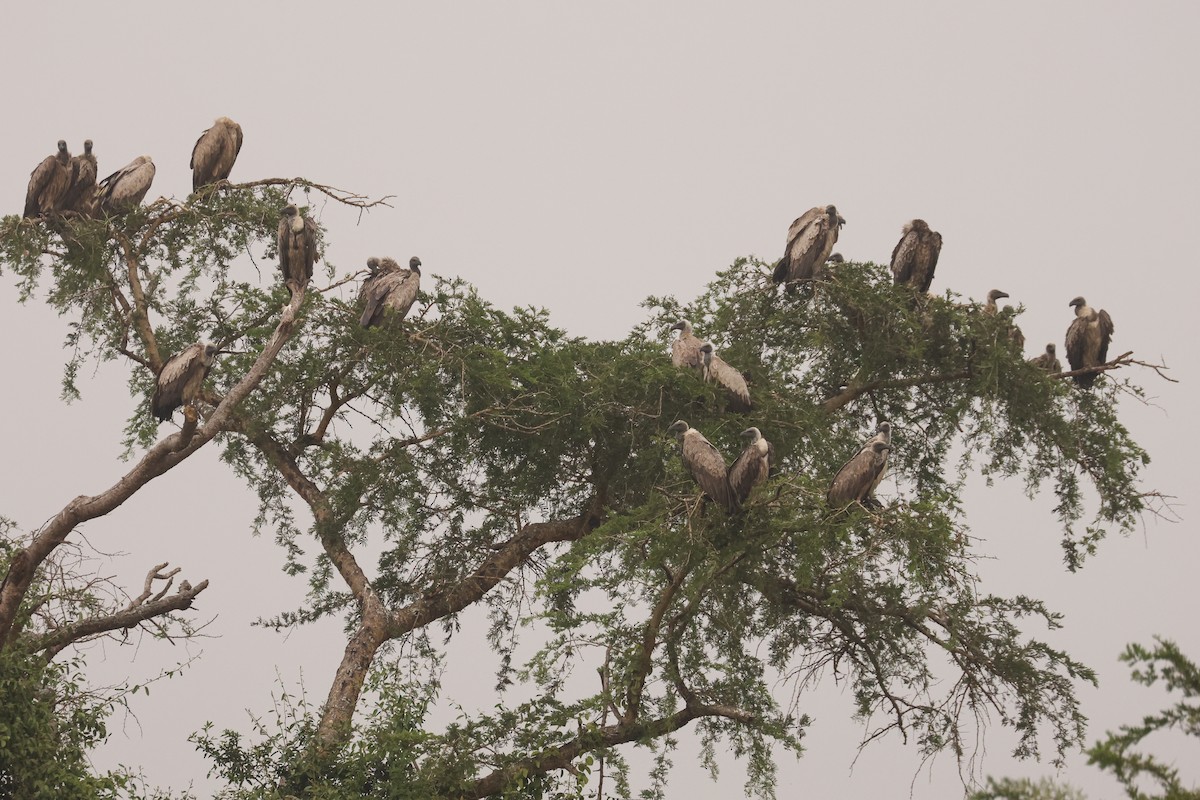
{"x":485,"y":458}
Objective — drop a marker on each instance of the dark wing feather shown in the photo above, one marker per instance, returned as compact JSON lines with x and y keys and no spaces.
{"x":749,"y":470}
{"x":39,"y":182}
{"x":1076,"y":335}
{"x":733,"y":381}
{"x":856,"y":479}
{"x":933,"y":250}
{"x":902,"y":258}
{"x":310,"y":247}
{"x":708,"y":469}
{"x":1106,"y":332}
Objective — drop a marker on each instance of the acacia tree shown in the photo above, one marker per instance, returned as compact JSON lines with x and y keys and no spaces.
{"x":495,"y":462}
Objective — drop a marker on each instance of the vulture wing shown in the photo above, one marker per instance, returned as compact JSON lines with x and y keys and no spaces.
{"x":856,"y":479}
{"x":685,"y":352}
{"x":904,"y":255}
{"x":749,"y":470}
{"x":1106,"y":332}
{"x":732,"y":380}
{"x":168,"y":389}
{"x":708,"y":469}
{"x":1076,"y":340}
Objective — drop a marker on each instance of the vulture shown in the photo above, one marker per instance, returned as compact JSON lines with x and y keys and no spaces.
{"x":181,"y":378}
{"x":883,"y":433}
{"x":1014,"y":333}
{"x":82,"y":190}
{"x":389,"y":288}
{"x":124,"y":189}
{"x":685,"y":351}
{"x":705,"y":464}
{"x":297,"y":247}
{"x":810,"y":240}
{"x":858,"y":477}
{"x":752,"y":467}
{"x":48,"y":183}
{"x":716,"y":370}
{"x":915,"y":255}
{"x":1047,"y":360}
{"x":1087,"y":340}
{"x":989,"y":307}
{"x":214,"y":153}
{"x":835,"y":258}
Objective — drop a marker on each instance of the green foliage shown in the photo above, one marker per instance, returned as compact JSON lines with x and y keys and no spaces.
{"x":440,"y":442}
{"x":1027,"y":789}
{"x":1143,"y":776}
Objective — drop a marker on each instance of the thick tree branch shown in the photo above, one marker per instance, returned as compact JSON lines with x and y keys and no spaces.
{"x":163,"y":456}
{"x":561,"y":757}
{"x":137,"y":612}
{"x":641,"y":669}
{"x":855,"y":391}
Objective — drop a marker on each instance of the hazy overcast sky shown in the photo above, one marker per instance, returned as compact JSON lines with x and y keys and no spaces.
{"x":581,"y":159}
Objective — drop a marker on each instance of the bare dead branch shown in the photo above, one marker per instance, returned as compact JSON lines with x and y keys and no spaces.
{"x":857,"y":390}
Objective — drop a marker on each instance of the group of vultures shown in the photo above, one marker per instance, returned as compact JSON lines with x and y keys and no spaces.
{"x":63,"y":185}
{"x":809,"y":257}
{"x":66,"y":186}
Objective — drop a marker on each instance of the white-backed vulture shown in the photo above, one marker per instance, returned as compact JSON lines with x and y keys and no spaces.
{"x":716,"y":370}
{"x":751,"y":467}
{"x":82,"y":189}
{"x":915,"y":256}
{"x":1087,"y":340}
{"x":215,"y":151}
{"x":48,"y":183}
{"x":704,"y":464}
{"x":1014,"y":333}
{"x":297,"y":247}
{"x":181,"y":378}
{"x":855,"y":482}
{"x":124,"y":189}
{"x":1047,"y":360}
{"x":685,"y":351}
{"x":389,"y":290}
{"x":810,"y":240}
{"x":989,"y":307}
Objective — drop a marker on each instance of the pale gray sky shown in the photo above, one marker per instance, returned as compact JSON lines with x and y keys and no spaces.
{"x":581,"y":160}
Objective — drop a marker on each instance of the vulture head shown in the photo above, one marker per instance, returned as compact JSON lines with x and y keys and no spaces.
{"x":226,"y":121}
{"x":751,"y":434}
{"x":373,"y":264}
{"x":683,"y":326}
{"x":996,"y":294}
{"x":63,"y":154}
{"x":835,"y":258}
{"x":289,"y":210}
{"x":679,"y":427}
{"x":918,"y":225}
{"x":707,"y":350}
{"x":1050,"y":349}
{"x":414,"y":264}
{"x":1078,"y":303}
{"x":210,"y":353}
{"x":879,"y":448}
{"x":885,"y":428}
{"x":87,"y":146}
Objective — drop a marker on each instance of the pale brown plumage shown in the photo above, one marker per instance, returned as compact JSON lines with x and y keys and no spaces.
{"x":855,"y":482}
{"x":180,"y":380}
{"x":990,"y":307}
{"x":48,"y":183}
{"x":751,"y":467}
{"x":82,"y":189}
{"x":215,"y":151}
{"x":389,"y":291}
{"x":123,"y":190}
{"x":810,"y":240}
{"x":705,"y":464}
{"x":915,"y":256}
{"x":1047,"y":360}
{"x":716,"y":370}
{"x":685,"y":351}
{"x":297,"y":247}
{"x":1087,"y":340}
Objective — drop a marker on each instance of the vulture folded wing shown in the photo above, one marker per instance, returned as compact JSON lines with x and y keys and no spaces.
{"x":732,"y":380}
{"x":708,"y":469}
{"x":807,"y":250}
{"x":747,"y":471}
{"x":1075,"y":343}
{"x":903,"y":258}
{"x":855,"y":480}
{"x":1106,"y":332}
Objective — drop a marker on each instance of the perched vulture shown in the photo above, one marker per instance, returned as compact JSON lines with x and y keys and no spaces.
{"x":716,"y":370}
{"x":705,"y":464}
{"x":858,"y":477}
{"x":124,"y":189}
{"x":181,"y":378}
{"x":389,"y":288}
{"x":810,"y":240}
{"x":215,"y":151}
{"x":80,"y":193}
{"x":48,"y":183}
{"x":989,"y":307}
{"x":916,"y":254}
{"x":1047,"y":360}
{"x":297,"y":247}
{"x":1014,"y":333}
{"x":752,"y":467}
{"x":1087,"y":340}
{"x":835,"y":258}
{"x":685,"y":351}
